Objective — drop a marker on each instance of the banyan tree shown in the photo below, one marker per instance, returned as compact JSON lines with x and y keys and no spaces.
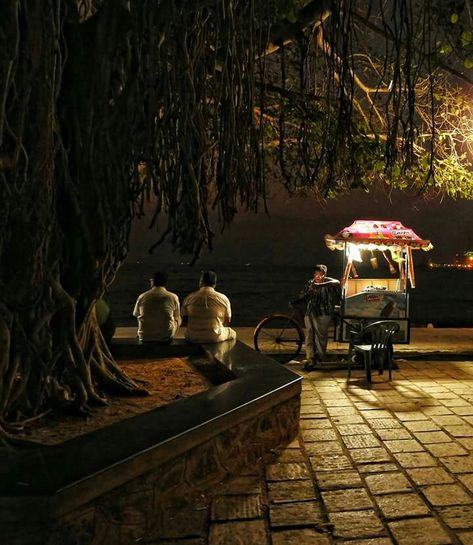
{"x":199,"y":105}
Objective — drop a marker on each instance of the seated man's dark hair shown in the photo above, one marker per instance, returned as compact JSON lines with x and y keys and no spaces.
{"x":160,"y":278}
{"x":321,"y":268}
{"x":208,"y":278}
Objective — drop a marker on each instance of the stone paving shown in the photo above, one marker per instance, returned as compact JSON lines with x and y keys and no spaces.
{"x":387,"y":464}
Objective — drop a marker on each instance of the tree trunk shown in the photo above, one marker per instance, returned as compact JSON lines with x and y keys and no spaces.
{"x":65,"y":219}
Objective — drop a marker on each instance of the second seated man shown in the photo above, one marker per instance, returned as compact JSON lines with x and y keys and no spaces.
{"x":207,"y":313}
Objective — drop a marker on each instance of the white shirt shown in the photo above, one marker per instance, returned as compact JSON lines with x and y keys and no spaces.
{"x":208,"y":311}
{"x":157,"y":311}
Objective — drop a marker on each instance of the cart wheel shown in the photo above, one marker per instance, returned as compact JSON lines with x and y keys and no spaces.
{"x":279,"y":337}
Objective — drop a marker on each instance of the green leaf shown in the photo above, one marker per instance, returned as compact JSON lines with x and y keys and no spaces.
{"x":466,"y":37}
{"x":446,"y":49}
{"x":454,"y":18}
{"x":292,"y":16}
{"x":468,"y":63}
{"x":379,"y":166}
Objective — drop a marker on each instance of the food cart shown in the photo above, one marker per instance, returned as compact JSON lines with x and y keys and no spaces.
{"x":366,"y":300}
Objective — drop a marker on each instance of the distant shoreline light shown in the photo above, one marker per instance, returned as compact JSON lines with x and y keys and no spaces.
{"x":449,"y":266}
{"x":464,"y":262}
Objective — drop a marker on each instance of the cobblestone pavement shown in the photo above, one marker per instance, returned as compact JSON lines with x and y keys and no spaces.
{"x":380,"y":465}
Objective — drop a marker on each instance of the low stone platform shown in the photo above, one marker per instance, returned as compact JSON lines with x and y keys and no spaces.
{"x":108,"y":487}
{"x":424,"y":342}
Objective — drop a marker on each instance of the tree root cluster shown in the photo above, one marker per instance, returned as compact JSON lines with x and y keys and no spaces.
{"x":80,"y":372}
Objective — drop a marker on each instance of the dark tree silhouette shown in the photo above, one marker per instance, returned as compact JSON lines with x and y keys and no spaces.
{"x":105,"y":103}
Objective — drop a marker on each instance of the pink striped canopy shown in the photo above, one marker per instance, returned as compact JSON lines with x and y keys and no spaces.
{"x":377,"y":234}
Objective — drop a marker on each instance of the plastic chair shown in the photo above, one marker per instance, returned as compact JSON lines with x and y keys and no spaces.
{"x":374,"y":343}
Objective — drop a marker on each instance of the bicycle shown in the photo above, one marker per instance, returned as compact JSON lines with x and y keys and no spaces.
{"x":280,"y":336}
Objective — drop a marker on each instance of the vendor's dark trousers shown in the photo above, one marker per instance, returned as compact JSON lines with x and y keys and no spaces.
{"x":316,"y":335}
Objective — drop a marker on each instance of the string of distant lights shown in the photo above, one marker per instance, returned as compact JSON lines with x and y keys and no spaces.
{"x":464,"y":262}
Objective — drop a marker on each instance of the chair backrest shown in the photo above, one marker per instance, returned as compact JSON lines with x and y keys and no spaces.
{"x":379,"y":333}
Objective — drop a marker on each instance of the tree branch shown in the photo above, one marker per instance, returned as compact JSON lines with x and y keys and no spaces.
{"x":438,"y":61}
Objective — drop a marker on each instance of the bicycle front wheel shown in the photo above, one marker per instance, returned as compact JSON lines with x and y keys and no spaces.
{"x":279,"y":337}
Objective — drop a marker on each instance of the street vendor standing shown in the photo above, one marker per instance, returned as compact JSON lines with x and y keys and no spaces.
{"x":321,"y":295}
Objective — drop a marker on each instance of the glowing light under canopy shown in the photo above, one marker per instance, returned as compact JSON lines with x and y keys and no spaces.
{"x":377,"y":235}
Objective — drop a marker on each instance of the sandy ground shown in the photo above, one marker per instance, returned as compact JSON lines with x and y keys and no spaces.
{"x":167,"y":380}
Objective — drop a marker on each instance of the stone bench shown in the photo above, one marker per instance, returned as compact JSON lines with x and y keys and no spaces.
{"x":124,"y":472}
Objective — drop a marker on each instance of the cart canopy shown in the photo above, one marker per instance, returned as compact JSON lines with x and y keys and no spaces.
{"x":377,"y":235}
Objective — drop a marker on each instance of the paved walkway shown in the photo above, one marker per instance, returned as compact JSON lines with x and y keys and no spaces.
{"x":380,"y":465}
{"x":389,"y":464}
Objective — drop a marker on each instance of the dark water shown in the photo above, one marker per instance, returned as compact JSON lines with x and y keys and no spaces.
{"x":442,"y":297}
